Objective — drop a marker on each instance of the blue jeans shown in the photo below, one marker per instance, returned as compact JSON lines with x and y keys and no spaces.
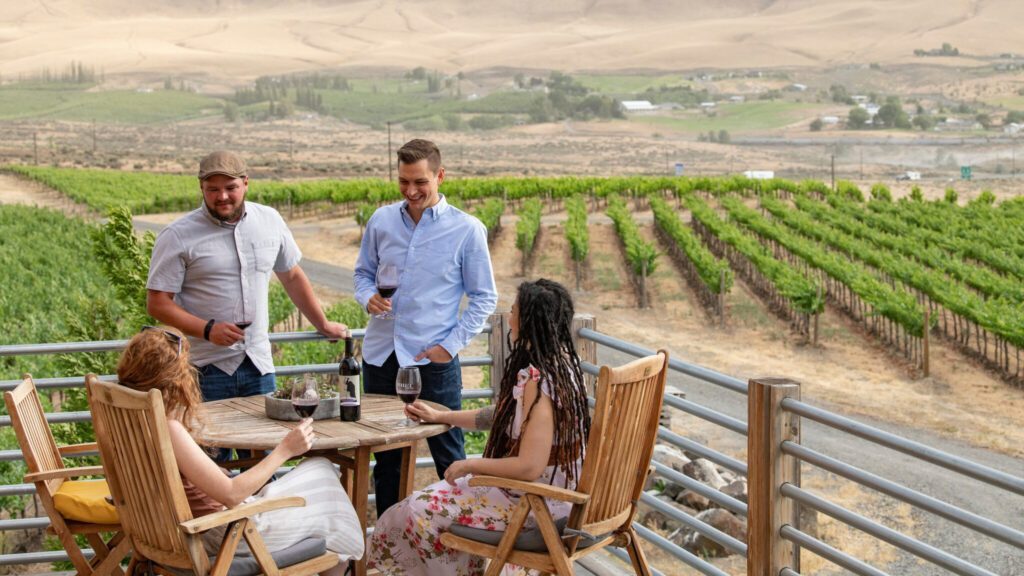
{"x":217,"y":384}
{"x":442,"y":383}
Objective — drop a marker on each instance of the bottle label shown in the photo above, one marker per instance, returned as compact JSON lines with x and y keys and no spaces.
{"x":350,"y":388}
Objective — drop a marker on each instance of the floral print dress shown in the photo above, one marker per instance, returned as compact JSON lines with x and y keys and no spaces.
{"x":407,"y":538}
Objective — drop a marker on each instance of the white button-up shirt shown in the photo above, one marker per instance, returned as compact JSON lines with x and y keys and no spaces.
{"x":222,"y":271}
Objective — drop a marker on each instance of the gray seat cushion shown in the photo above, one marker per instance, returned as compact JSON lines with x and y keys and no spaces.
{"x":530,"y":540}
{"x":244,"y":563}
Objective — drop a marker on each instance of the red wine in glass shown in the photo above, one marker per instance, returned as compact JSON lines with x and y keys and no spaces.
{"x":305,"y":397}
{"x":387,"y":284}
{"x":305,"y":408}
{"x":243,"y":325}
{"x":408,"y":386}
{"x":387,"y":291}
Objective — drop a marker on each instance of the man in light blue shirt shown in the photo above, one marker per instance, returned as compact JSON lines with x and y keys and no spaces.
{"x":441,"y":254}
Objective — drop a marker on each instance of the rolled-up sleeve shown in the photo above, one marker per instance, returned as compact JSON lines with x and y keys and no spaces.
{"x":364,"y":276}
{"x":478,"y":283}
{"x":167,"y":264}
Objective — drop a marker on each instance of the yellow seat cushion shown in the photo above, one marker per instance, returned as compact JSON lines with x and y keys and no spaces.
{"x":86,"y":501}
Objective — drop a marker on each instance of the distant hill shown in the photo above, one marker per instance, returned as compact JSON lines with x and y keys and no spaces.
{"x":240,"y":39}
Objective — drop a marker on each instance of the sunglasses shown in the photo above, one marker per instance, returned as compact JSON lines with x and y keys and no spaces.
{"x":171,"y":336}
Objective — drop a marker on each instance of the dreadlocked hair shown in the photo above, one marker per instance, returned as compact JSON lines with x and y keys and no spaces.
{"x":151,"y":361}
{"x":545,"y":342}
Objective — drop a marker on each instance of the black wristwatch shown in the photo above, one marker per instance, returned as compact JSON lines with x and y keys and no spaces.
{"x":206,"y":330}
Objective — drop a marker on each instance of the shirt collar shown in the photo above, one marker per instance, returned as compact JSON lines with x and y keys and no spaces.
{"x":435,"y":211}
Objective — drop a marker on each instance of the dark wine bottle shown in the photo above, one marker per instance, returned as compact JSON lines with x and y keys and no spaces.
{"x":349,"y":389}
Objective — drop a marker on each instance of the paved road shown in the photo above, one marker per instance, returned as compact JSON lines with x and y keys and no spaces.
{"x":972,"y":495}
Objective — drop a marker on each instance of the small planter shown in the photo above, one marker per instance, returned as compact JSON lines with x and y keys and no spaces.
{"x":281,"y":409}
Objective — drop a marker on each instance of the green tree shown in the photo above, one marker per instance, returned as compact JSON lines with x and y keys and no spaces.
{"x":951,"y":196}
{"x":858,"y":118}
{"x":125,"y":261}
{"x":816,"y":125}
{"x":1014,"y":117}
{"x":891,"y":115}
{"x":231,"y":112}
{"x":923,"y":121}
{"x":916,"y":195}
{"x":984,"y":119}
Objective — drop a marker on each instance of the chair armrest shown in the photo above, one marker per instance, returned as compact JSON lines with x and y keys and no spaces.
{"x":64,"y":473}
{"x":77,"y":448}
{"x":545,"y":490}
{"x":248,"y":510}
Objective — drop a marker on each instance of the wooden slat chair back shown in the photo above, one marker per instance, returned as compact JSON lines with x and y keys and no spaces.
{"x":135,"y":445}
{"x":43,"y":460}
{"x":615,"y":468}
{"x":621,"y":443}
{"x":131,"y":430}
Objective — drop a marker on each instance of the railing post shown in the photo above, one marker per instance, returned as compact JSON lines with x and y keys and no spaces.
{"x":586,"y":349}
{"x":769,"y":468}
{"x":497,"y":348}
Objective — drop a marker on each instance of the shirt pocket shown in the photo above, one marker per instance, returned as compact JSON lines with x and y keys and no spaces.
{"x":439,"y":263}
{"x":264,"y":254}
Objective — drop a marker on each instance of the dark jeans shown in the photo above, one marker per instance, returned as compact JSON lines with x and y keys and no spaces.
{"x":246,"y":381}
{"x":442,"y":383}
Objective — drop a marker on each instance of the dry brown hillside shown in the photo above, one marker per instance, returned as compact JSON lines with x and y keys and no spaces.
{"x":245,"y":38}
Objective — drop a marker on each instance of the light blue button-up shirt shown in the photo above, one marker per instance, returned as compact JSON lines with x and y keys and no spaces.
{"x":439,"y":260}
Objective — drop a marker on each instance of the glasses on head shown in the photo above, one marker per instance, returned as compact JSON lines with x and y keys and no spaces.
{"x":171,"y":336}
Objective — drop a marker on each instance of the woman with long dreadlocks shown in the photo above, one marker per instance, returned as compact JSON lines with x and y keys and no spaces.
{"x":539,"y":427}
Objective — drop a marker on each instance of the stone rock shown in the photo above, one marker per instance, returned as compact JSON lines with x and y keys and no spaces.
{"x":670,"y":456}
{"x":656,"y":519}
{"x":704,"y":471}
{"x":722,"y":520}
{"x":672,"y":490}
{"x":693,"y":500}
{"x":737,"y":489}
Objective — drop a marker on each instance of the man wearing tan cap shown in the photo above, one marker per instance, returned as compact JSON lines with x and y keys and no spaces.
{"x":210,"y":274}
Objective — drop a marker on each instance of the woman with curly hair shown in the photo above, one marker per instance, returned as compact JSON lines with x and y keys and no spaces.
{"x":157,"y":359}
{"x":538,"y":426}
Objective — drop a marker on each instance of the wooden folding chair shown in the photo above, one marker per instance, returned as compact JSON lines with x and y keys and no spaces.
{"x":625,"y":426}
{"x":46,"y":470}
{"x":131,"y":430}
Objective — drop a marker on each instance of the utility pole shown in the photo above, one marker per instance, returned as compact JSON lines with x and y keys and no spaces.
{"x":35,"y":149}
{"x":833,"y":172}
{"x":390,"y":177}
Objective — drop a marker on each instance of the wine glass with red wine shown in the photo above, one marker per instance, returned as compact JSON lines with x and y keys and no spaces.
{"x":387,"y":285}
{"x":305,"y":397}
{"x":408,"y":386}
{"x":243,"y":321}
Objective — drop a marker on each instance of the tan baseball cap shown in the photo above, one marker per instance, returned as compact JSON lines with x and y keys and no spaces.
{"x":222,"y":162}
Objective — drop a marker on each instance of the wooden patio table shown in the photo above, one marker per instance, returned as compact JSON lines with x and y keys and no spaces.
{"x":243,"y":423}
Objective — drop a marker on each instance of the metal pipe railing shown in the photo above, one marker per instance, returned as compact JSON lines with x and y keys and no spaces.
{"x":909,"y":447}
{"x":687,"y":557}
{"x":912,"y":497}
{"x":915,"y":547}
{"x":837,"y":557}
{"x":724,"y":500}
{"x":703,"y":451}
{"x":699,"y":372}
{"x":708,"y":530}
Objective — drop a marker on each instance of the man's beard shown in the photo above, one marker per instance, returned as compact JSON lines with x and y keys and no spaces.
{"x":232,"y":217}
